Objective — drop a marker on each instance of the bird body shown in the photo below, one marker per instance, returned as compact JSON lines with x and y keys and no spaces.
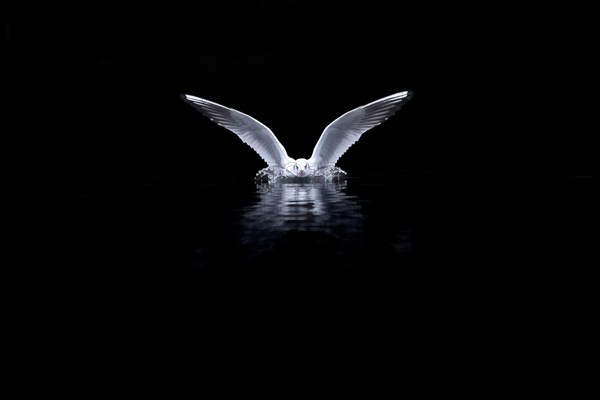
{"x":335,"y":140}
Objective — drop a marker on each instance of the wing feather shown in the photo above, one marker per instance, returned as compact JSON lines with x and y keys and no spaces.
{"x":343,"y":132}
{"x":252,"y":132}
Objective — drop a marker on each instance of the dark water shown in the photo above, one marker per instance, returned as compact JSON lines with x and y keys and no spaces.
{"x":424,"y":239}
{"x":307,"y":230}
{"x":422,"y":262}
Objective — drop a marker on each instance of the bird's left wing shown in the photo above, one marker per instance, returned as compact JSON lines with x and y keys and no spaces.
{"x":347,"y":129}
{"x":251,"y":131}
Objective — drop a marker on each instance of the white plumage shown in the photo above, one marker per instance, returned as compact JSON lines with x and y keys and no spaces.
{"x":335,"y":140}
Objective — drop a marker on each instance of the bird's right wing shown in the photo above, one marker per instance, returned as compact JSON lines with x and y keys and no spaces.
{"x":251,"y":131}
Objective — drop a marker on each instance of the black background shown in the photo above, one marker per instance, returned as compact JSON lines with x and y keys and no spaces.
{"x":107,"y":86}
{"x":94,"y":93}
{"x":100,"y":143}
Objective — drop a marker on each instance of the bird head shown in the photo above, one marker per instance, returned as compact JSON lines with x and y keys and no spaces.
{"x":299,"y":167}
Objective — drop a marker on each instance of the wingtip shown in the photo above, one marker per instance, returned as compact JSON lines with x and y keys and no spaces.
{"x":396,"y":97}
{"x":405,"y":94}
{"x":190,"y":97}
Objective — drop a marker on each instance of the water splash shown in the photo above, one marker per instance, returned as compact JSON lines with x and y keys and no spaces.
{"x":277,"y":174}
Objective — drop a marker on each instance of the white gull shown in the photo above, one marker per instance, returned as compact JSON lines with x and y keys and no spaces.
{"x":335,"y":140}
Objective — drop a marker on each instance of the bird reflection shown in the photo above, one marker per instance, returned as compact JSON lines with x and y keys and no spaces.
{"x":301,"y":218}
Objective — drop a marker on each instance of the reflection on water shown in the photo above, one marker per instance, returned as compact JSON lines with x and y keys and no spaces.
{"x":297,"y":227}
{"x":314,"y":215}
{"x":304,"y":207}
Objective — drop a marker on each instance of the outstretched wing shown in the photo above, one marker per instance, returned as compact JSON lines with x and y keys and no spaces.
{"x":343,"y":132}
{"x":251,"y":131}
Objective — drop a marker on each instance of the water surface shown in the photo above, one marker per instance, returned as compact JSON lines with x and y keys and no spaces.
{"x":307,"y":229}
